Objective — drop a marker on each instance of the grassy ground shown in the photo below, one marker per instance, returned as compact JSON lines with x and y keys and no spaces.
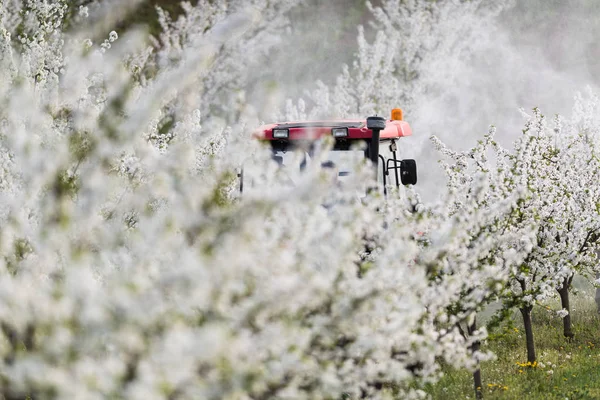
{"x":567,"y":370}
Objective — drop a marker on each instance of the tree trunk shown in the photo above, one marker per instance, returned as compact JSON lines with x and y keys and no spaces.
{"x":597,"y":298}
{"x":526,"y":313}
{"x":477,"y":383}
{"x":563,"y":291}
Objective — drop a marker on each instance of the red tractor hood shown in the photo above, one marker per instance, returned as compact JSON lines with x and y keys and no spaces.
{"x":312,"y":130}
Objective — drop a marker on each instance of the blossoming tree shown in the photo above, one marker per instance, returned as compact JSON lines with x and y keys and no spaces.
{"x":554,"y":169}
{"x":128,"y":271}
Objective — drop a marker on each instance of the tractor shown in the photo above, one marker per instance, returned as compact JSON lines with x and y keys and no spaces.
{"x":353,"y":140}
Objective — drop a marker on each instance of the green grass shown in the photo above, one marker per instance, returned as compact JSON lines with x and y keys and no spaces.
{"x":575,"y":365}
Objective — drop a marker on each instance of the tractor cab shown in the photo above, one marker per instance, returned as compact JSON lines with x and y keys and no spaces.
{"x":353,"y":140}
